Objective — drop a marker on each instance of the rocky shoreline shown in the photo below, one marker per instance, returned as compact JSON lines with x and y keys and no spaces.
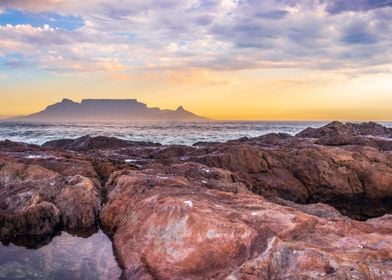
{"x":312,"y":206}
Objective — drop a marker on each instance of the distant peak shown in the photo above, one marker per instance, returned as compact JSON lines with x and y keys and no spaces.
{"x":103,"y":100}
{"x":109,"y":110}
{"x":66,"y":100}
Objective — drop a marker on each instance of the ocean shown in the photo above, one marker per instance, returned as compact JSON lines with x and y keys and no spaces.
{"x":185,"y":133}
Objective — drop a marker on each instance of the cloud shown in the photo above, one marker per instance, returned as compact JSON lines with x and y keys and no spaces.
{"x":40,"y":6}
{"x":359,"y":32}
{"x":199,"y":35}
{"x":339,"y":6}
{"x":189,"y":77}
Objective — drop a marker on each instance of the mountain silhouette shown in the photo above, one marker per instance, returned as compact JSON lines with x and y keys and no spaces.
{"x":108,"y":110}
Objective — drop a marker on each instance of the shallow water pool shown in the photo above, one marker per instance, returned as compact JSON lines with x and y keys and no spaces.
{"x":65,"y":257}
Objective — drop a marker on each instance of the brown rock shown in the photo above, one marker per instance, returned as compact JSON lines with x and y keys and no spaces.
{"x":332,"y":129}
{"x":86,"y":143}
{"x":216,"y":210}
{"x":343,"y":140}
{"x":335,"y":128}
{"x":173,"y":228}
{"x":353,"y":177}
{"x":349,"y":177}
{"x":42,"y":191}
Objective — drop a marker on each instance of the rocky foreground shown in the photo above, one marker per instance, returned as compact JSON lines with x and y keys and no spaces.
{"x":311,"y":206}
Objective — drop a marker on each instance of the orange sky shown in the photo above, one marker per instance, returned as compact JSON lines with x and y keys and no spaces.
{"x":247,"y":94}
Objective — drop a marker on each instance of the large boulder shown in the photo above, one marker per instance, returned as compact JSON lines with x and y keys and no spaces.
{"x":166,"y":226}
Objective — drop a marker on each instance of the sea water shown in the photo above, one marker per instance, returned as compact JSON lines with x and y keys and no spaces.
{"x":186,"y":133}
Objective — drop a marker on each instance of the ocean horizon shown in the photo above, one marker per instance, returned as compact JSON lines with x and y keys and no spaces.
{"x":163,"y":132}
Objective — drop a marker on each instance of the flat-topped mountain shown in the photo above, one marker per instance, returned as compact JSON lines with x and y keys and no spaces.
{"x":108,"y":110}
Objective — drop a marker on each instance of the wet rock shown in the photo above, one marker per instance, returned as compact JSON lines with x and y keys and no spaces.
{"x":79,"y":203}
{"x":30,"y":218}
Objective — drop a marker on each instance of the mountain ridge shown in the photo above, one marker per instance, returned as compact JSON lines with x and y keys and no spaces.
{"x":108,"y":110}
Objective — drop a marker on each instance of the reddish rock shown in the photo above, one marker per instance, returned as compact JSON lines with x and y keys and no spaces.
{"x":338,"y":129}
{"x":42,"y":191}
{"x":344,"y":140}
{"x":371,"y":128}
{"x":358,"y":134}
{"x":86,"y":143}
{"x":216,"y":210}
{"x":171,"y":227}
{"x":351,"y":178}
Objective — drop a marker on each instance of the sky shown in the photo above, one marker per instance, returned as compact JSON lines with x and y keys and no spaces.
{"x":223,"y":59}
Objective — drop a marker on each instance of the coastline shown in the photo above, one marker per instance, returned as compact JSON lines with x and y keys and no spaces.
{"x":266,"y":199}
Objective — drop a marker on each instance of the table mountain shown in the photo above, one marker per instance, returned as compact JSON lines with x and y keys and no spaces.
{"x":108,"y":110}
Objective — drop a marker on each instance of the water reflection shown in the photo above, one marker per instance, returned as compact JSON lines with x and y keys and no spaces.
{"x":65,"y":257}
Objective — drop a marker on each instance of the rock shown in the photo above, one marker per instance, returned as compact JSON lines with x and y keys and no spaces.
{"x":271,"y":207}
{"x":42,"y":194}
{"x":174,"y":228}
{"x":62,"y":143}
{"x":293,"y":168}
{"x":7,"y":144}
{"x":305,"y":260}
{"x":347,"y":129}
{"x":350,"y":178}
{"x":371,"y":128}
{"x":86,"y":143}
{"x":319,"y":209}
{"x":79,"y":203}
{"x":32,"y":217}
{"x":341,"y":134}
{"x":342,"y":140}
{"x":332,"y":129}
{"x":211,"y":178}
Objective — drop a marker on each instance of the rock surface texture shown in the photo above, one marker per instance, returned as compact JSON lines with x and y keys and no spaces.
{"x":42,"y":190}
{"x":312,"y":206}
